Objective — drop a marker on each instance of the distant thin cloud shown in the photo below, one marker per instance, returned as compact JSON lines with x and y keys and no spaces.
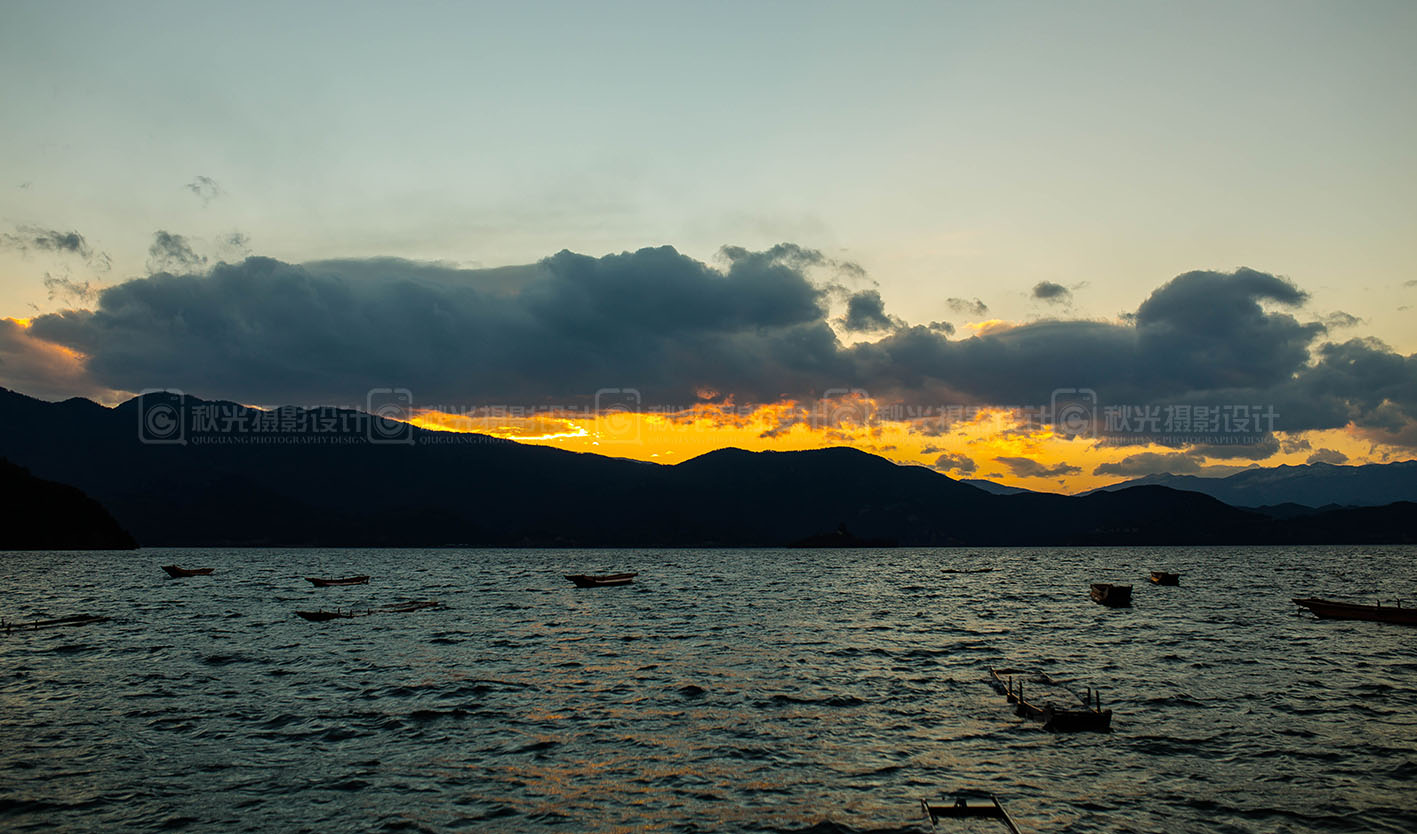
{"x":172,"y":253}
{"x":1052,"y":293}
{"x":1151,"y":463}
{"x":1339,"y":320}
{"x":1332,"y":456}
{"x":62,"y":286}
{"x":967,"y":307}
{"x":951,"y":462}
{"x":37,"y":239}
{"x":234,"y":245}
{"x":205,"y":188}
{"x":1029,"y":468}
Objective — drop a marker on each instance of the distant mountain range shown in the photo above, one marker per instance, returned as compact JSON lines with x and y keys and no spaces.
{"x":312,"y":477}
{"x":994,"y":488}
{"x":1309,"y":485}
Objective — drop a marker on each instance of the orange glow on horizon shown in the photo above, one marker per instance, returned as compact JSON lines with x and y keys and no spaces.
{"x":996,"y":442}
{"x":988,"y":326}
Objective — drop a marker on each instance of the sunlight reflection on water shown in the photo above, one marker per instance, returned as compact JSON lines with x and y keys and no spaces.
{"x":723,"y":691}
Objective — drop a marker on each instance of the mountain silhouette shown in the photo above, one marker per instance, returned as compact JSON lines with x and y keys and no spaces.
{"x":316,"y":479}
{"x":42,"y":515}
{"x":1308,"y":485}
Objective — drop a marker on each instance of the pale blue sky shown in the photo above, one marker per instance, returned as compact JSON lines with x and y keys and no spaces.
{"x":952,"y":149}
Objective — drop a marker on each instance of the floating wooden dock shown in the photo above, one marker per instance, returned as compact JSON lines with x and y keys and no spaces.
{"x":1037,"y":696}
{"x":351,"y":613}
{"x":59,"y":622}
{"x":961,"y":809}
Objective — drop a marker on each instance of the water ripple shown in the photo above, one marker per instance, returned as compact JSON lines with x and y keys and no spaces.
{"x":725,"y":691}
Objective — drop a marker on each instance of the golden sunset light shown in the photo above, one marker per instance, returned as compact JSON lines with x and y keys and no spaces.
{"x":996,"y":444}
{"x":710,"y":417}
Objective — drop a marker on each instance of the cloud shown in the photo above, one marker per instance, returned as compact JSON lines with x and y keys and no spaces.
{"x":549,"y":333}
{"x":42,"y":369}
{"x":949,"y":462}
{"x":35,"y":239}
{"x":1151,"y":463}
{"x":1258,"y":448}
{"x":237,"y":244}
{"x":172,"y":253}
{"x":50,"y":240}
{"x":1052,"y":293}
{"x":967,"y":307}
{"x":1339,"y":320}
{"x":62,"y":286}
{"x":205,"y":188}
{"x":1328,"y":456}
{"x":866,"y":313}
{"x":1291,"y":445}
{"x":1029,"y":468}
{"x":755,"y":329}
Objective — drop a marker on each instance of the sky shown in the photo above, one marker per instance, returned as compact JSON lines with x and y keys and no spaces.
{"x":903,"y":226}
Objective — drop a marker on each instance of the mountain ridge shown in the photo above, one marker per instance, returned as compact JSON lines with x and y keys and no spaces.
{"x":1309,"y":485}
{"x":332,"y":486}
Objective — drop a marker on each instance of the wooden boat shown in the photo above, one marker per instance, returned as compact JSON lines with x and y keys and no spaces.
{"x":324,"y":616}
{"x":59,"y":622}
{"x":1331,"y":610}
{"x":177,"y":573}
{"x":1161,"y":577}
{"x":1117,"y":596}
{"x":961,"y":809}
{"x":603,"y":581}
{"x":343,"y":614}
{"x":965,"y":570}
{"x":325,"y":583}
{"x":1037,"y":697}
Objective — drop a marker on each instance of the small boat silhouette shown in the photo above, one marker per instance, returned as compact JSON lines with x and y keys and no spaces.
{"x":607,"y":580}
{"x":1332,"y":610}
{"x":1117,"y":596}
{"x":325,"y":583}
{"x":177,"y":573}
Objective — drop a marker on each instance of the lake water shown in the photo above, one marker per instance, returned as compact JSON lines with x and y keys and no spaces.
{"x":823,"y":691}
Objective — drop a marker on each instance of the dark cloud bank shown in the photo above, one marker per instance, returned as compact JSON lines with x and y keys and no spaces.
{"x":678,"y":330}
